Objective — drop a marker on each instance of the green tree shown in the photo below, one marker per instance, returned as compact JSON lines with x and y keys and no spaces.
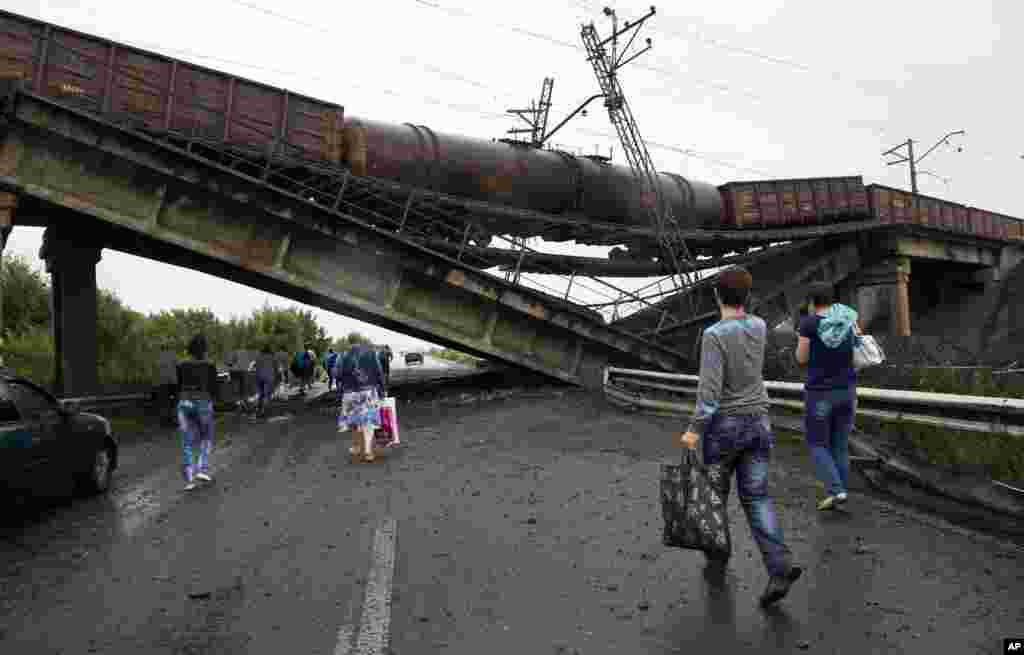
{"x":128,"y":343}
{"x":26,"y":297}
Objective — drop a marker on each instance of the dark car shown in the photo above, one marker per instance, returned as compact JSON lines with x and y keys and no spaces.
{"x":413,"y":358}
{"x":45,"y":443}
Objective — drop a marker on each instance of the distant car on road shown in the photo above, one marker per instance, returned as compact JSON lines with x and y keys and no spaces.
{"x":45,"y":444}
{"x":413,"y":358}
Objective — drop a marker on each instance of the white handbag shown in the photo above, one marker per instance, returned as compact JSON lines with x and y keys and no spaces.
{"x":867,"y":352}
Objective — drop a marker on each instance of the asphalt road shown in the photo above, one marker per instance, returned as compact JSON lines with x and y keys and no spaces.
{"x":527,"y":522}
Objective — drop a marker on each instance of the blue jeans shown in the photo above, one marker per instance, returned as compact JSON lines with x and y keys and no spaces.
{"x":828,"y":421}
{"x":195,"y":421}
{"x":744,"y":444}
{"x":266,"y":387}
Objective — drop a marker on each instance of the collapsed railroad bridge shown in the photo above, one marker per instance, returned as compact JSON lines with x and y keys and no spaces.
{"x":109,"y":146}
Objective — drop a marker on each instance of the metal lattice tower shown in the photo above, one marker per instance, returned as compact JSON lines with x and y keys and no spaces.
{"x":538,"y":115}
{"x":606,"y":59}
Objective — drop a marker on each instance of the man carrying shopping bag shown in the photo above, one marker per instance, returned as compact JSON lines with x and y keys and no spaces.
{"x":732,"y":420}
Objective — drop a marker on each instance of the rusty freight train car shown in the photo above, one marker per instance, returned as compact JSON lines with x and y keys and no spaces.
{"x":159,"y":94}
{"x":146,"y":90}
{"x":899,"y":207}
{"x":789,"y":203}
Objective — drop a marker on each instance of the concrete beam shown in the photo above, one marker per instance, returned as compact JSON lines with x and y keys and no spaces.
{"x":314,"y":254}
{"x":929,"y":249}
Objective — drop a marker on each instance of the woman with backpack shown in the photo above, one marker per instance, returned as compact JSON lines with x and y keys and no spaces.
{"x":361,"y":386}
{"x":303,"y":367}
{"x":825,"y":346}
{"x":197,"y":384}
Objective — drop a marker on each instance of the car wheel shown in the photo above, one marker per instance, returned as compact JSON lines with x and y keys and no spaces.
{"x":97,"y":479}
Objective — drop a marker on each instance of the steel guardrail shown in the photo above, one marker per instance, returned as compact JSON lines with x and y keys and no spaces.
{"x":952,"y":411}
{"x":104,"y":401}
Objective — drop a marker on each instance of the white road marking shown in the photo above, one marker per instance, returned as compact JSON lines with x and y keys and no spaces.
{"x":372,"y":638}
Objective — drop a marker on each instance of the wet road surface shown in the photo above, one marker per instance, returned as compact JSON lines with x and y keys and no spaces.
{"x":521,"y":524}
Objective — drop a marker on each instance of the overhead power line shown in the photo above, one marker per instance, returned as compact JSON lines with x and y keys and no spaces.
{"x":405,"y":59}
{"x":879,"y":132}
{"x":664,"y":72}
{"x":729,"y":47}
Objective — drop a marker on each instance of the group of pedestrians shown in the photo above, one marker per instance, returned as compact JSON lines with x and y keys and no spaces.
{"x":732,"y":424}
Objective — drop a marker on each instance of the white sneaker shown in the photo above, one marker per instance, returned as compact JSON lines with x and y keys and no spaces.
{"x":190,"y":486}
{"x":841,"y":498}
{"x":204,"y":477}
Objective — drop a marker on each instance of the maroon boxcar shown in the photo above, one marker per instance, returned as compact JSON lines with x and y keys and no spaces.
{"x":151,"y":91}
{"x":1016,"y":230}
{"x":791,"y":203}
{"x":890,"y":205}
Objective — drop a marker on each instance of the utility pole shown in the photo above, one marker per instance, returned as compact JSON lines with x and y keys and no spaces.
{"x":538,"y":115}
{"x":607,"y":57}
{"x":909,"y":157}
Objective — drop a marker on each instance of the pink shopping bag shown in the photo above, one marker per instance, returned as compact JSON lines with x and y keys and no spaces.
{"x":386,"y":436}
{"x":389,"y":417}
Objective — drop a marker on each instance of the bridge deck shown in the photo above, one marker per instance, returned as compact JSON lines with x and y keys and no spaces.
{"x":81,"y":171}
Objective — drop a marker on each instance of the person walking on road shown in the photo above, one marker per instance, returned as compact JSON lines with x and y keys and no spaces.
{"x":825,"y":346}
{"x":361,"y":385}
{"x":266,"y":376}
{"x":302,"y":367}
{"x":197,"y":382}
{"x":330,"y":360}
{"x":168,"y":376}
{"x":283,"y":360}
{"x":732,"y":420}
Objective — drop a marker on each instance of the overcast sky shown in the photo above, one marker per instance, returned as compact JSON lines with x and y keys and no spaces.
{"x":742,"y":90}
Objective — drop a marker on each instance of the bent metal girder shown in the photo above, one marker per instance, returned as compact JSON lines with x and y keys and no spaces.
{"x":780,"y":281}
{"x":249,"y":230}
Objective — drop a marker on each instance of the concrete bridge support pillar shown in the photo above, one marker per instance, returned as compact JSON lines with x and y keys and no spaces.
{"x":71,"y":262}
{"x":883,"y":291}
{"x":8,"y":203}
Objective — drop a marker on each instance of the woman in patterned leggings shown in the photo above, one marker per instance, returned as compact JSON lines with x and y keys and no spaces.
{"x":197,"y":380}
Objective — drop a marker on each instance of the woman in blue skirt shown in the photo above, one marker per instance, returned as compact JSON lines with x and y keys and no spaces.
{"x":361,"y":386}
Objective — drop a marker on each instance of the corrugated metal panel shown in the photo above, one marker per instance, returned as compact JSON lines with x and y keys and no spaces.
{"x":962,"y":219}
{"x":839,"y":192}
{"x":805,"y":201}
{"x":255,"y":117}
{"x":1017,"y":230}
{"x":203,"y":105}
{"x":859,"y":205}
{"x":141,"y":85}
{"x":789,"y":201}
{"x":76,"y":70}
{"x":922,"y":210}
{"x":902,"y":207}
{"x":19,"y":49}
{"x":769,"y":201}
{"x":822,"y":200}
{"x":948,"y":219}
{"x":1004,"y":224}
{"x":745,"y":210}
